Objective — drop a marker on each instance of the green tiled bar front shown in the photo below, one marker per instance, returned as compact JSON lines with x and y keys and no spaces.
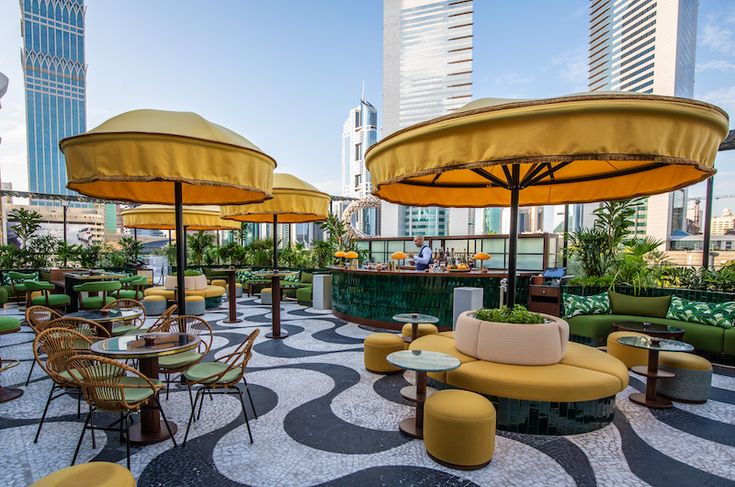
{"x":372,"y":297}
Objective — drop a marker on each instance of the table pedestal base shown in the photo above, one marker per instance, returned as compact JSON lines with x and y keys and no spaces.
{"x":8,"y":394}
{"x":657,"y":403}
{"x":139,"y":438}
{"x":408,"y":428}
{"x":281,"y":335}
{"x":237,"y":320}
{"x":409,"y":392}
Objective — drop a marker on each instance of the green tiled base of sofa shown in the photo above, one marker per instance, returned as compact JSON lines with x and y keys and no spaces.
{"x":213,"y":302}
{"x":548,"y":418}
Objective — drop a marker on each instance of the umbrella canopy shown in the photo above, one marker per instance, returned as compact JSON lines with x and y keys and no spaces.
{"x":138,"y":156}
{"x":163,"y":157}
{"x":574,"y":149}
{"x":162,"y":217}
{"x":294,"y":201}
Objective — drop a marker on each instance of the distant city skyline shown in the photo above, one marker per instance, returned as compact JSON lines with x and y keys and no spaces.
{"x":185,"y":55}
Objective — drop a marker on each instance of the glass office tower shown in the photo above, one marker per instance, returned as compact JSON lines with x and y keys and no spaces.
{"x":55,"y":87}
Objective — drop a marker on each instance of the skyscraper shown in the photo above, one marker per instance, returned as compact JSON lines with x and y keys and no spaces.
{"x":646,"y":46}
{"x":55,"y":86}
{"x":427,"y":72}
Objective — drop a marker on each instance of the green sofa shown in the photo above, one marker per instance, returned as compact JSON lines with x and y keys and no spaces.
{"x":592,"y":329}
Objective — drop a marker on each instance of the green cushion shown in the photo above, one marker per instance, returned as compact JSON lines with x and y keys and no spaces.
{"x":38,"y":285}
{"x":585,"y":305}
{"x":714,"y":314}
{"x":292,"y":278}
{"x":137,"y":395}
{"x":9,"y":323}
{"x":135,"y":279}
{"x":98,"y":286}
{"x":3,"y":295}
{"x":728,"y":344}
{"x":623,"y":304}
{"x":53,"y":300}
{"x":105,"y":372}
{"x":95,"y":302}
{"x":307,"y":277}
{"x":303,"y":295}
{"x":129,"y":294}
{"x":198,"y":372}
{"x":20,"y":288}
{"x":178,"y":360}
{"x":21,"y":276}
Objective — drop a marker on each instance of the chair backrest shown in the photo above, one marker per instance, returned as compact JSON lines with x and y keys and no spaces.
{"x":160,"y":323}
{"x":32,"y":285}
{"x":85,"y":327}
{"x":18,"y":277}
{"x":102,"y":381}
{"x":128,"y":305}
{"x":192,"y":325}
{"x":59,"y":345}
{"x":98,"y":286}
{"x":38,"y":317}
{"x":237,"y":360}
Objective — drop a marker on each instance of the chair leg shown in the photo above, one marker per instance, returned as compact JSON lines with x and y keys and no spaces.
{"x":165,"y":421}
{"x":247,"y":423}
{"x":168,"y":384}
{"x":201,"y":403}
{"x":252,"y":404}
{"x":79,"y":405}
{"x":81,"y":437}
{"x":45,"y":410}
{"x":191,"y":417}
{"x":191,"y":399}
{"x":91,"y":429}
{"x":124,"y":419}
{"x":127,"y":442}
{"x":30,"y":372}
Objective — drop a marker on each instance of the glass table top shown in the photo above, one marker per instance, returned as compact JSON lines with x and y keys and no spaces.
{"x":423,"y":360}
{"x":99,"y":315}
{"x":659,"y":344}
{"x":415,"y":318}
{"x":645,"y":326}
{"x":146,"y":345}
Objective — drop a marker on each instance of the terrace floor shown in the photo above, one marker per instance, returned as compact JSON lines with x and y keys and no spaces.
{"x":324,"y":420}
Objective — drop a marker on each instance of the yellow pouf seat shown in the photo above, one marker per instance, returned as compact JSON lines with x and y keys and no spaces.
{"x":154,"y":305}
{"x":195,"y":305}
{"x":377,"y":347}
{"x":630,"y":356}
{"x":459,"y":429}
{"x":266,"y":296}
{"x":207,"y":292}
{"x":92,"y":474}
{"x":423,"y":330}
{"x":219,"y":282}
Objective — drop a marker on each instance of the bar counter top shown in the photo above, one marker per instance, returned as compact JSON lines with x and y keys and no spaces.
{"x":414,"y":273}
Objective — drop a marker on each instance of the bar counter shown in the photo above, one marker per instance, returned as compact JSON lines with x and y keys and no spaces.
{"x":370,"y":297}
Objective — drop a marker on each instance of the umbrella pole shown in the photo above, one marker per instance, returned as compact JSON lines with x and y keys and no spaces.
{"x":566,"y":239}
{"x":707,"y":222}
{"x":180,"y":250}
{"x":513,"y":237}
{"x":276,"y":289}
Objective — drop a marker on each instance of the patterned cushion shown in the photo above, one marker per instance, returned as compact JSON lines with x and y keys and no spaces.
{"x":586,"y":305}
{"x":292,"y":278}
{"x":714,"y":314}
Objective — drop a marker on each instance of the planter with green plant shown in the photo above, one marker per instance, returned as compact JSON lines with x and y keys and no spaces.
{"x":512,"y":336}
{"x":193,"y":280}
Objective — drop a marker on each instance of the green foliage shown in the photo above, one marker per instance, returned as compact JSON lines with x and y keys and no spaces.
{"x":233,"y":253}
{"x":211,"y":256}
{"x":592,"y":281}
{"x":261,"y":253}
{"x":131,"y":248}
{"x":41,"y":251}
{"x":518,"y":314}
{"x":190,"y":273}
{"x":170,"y":252}
{"x":8,"y":257}
{"x":322,"y":254}
{"x":296,"y":256}
{"x":197,"y":245}
{"x":584,"y":247}
{"x":112,"y":257}
{"x":67,"y":254}
{"x":90,"y":256}
{"x":27,"y":224}
{"x":722,"y":280}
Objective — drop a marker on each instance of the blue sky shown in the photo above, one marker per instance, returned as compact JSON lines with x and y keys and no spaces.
{"x":284,"y":73}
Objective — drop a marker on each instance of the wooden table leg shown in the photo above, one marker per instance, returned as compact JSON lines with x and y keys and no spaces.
{"x":276,"y":331}
{"x":150,"y":428}
{"x":232,"y":318}
{"x":414,"y":427}
{"x":652,"y":373}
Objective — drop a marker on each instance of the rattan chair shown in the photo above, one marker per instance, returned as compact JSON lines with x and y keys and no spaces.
{"x":162,"y":320}
{"x":38,"y":318}
{"x":113,"y":387}
{"x":58,"y":345}
{"x":180,"y":362}
{"x":88,"y":328}
{"x":222,"y":376}
{"x":131,"y":326}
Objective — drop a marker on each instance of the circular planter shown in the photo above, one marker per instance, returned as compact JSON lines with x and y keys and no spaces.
{"x":510,"y":343}
{"x":191,"y":283}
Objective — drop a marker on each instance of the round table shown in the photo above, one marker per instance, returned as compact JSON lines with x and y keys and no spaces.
{"x":651,"y":329}
{"x":8,"y":394}
{"x":149,"y":429}
{"x":231,"y":299}
{"x":276,"y":277}
{"x":422,"y":361}
{"x":409,"y":392}
{"x":652,"y":372}
{"x":106,"y":318}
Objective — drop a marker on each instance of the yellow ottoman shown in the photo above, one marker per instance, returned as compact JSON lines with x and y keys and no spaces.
{"x":195,"y":305}
{"x":266,"y":296}
{"x":459,"y":429}
{"x":219,"y":282}
{"x":630,"y":356}
{"x":92,"y":474}
{"x":424,"y":329}
{"x":154,"y":305}
{"x":377,"y":347}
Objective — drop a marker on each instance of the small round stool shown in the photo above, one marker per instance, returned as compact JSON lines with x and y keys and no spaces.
{"x":423,"y":330}
{"x":195,"y":305}
{"x":266,"y":296}
{"x":154,"y":305}
{"x":459,"y":429}
{"x":219,"y":282}
{"x":377,"y":347}
{"x":92,"y":474}
{"x":9,"y":324}
{"x":630,"y":356}
{"x":692,"y":380}
{"x":238,"y":290}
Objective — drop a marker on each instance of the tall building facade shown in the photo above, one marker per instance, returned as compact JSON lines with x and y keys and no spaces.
{"x":55,"y":86}
{"x":646,"y":46}
{"x":359,"y":132}
{"x":427,"y":72}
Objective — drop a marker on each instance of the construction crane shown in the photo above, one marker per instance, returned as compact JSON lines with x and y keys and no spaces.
{"x":716,"y":197}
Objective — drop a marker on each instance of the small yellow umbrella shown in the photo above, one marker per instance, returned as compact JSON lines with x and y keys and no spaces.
{"x":481,"y":256}
{"x":164,"y":157}
{"x":574,"y":149}
{"x":163,"y":217}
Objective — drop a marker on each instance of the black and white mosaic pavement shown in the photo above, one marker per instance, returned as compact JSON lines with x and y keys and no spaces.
{"x":324,"y":420}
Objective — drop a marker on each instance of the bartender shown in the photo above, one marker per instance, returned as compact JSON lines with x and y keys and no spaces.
{"x":425,"y":256}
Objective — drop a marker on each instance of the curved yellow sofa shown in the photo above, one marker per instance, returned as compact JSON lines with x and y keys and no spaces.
{"x":212,"y":294}
{"x":581,"y":381}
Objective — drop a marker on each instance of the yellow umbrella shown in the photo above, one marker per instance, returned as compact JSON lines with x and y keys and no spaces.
{"x":574,"y":149}
{"x":162,"y":217}
{"x":163,"y":157}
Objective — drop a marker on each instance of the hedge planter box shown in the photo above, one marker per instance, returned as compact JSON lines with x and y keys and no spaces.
{"x":511,"y":343}
{"x":191,"y":283}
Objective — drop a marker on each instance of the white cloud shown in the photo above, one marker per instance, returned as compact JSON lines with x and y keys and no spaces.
{"x":722,"y":97}
{"x":512,"y":80}
{"x":572,"y":67}
{"x":716,"y":65}
{"x":719,"y":34}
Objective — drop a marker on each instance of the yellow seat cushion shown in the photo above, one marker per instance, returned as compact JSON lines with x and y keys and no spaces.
{"x":459,"y":428}
{"x":630,"y":356}
{"x":159,"y":291}
{"x":193,"y":298}
{"x":553,"y":383}
{"x":688,"y":361}
{"x":578,"y":355}
{"x":377,"y":347}
{"x":438,"y":343}
{"x":265,"y":290}
{"x":219,"y":282}
{"x":447,"y":334}
{"x":92,"y":474}
{"x":154,"y":297}
{"x":423,"y":329}
{"x":207,"y":292}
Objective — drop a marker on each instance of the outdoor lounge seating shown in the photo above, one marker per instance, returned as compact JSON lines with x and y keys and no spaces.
{"x":46,"y":298}
{"x":99,"y":474}
{"x":132,"y":287}
{"x":154,"y":304}
{"x":211,"y":294}
{"x":98,"y":294}
{"x":585,"y":381}
{"x":377,"y":347}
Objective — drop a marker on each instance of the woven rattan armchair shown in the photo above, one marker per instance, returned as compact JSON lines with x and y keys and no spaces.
{"x":113,"y":387}
{"x":222,"y":376}
{"x":88,"y":328}
{"x":130,"y":326}
{"x":160,"y":323}
{"x":38,"y":318}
